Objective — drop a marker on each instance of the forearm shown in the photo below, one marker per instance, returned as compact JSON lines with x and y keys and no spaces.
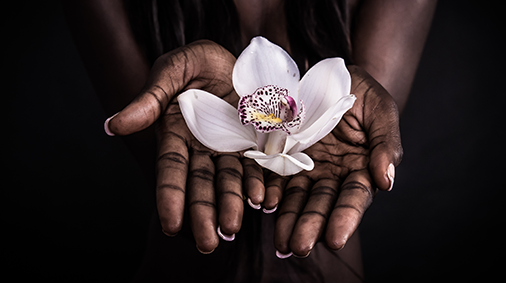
{"x":388,"y":39}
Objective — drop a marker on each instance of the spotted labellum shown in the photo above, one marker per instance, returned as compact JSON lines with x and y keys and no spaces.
{"x":278,"y":116}
{"x":270,"y":108}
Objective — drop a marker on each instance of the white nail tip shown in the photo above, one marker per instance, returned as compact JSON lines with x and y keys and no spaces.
{"x":225,"y":237}
{"x":106,"y":125}
{"x":269,"y":211}
{"x":282,"y":255}
{"x":254,"y":206}
{"x":391,"y":175}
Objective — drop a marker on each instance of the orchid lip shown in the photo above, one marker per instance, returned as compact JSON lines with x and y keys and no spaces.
{"x":270,"y":108}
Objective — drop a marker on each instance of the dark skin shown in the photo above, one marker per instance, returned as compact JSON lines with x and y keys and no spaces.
{"x":350,"y":163}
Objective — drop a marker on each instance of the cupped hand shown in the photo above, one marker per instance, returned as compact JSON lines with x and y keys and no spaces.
{"x":188,"y":173}
{"x":355,"y":159}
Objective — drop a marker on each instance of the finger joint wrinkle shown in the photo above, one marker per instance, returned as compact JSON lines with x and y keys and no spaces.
{"x":174,"y":135}
{"x":231,"y":193}
{"x":375,"y":144}
{"x":255,"y":177}
{"x":201,"y":152}
{"x":253,"y":167}
{"x":356,"y":186}
{"x":230,"y":172}
{"x":314,"y":212}
{"x":170,"y":187}
{"x":202,"y":203}
{"x":160,"y":105}
{"x":203,"y":174}
{"x":348,"y":206}
{"x":324,"y":190}
{"x":173,"y":156}
{"x":295,"y":190}
{"x":164,"y":92}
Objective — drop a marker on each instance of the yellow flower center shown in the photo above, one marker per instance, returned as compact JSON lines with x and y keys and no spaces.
{"x":271,"y":118}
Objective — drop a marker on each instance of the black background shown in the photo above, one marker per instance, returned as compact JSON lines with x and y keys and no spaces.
{"x":75,"y":206}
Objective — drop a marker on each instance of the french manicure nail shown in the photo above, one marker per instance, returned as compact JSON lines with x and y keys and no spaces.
{"x":304,"y":256}
{"x":168,"y":234}
{"x":225,"y":237}
{"x":254,"y":206}
{"x":282,"y":255}
{"x":269,"y":211}
{"x":106,"y":125}
{"x":202,"y":252}
{"x":391,"y":175}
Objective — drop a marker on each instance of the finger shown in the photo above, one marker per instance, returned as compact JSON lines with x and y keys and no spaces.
{"x":169,"y":75}
{"x":295,"y":197}
{"x":273,"y":192}
{"x":380,"y":117}
{"x":355,"y":197}
{"x":385,"y":147}
{"x":382,"y":125}
{"x":172,"y":170}
{"x":229,"y":192}
{"x":312,"y":221}
{"x":253,"y":182}
{"x":202,"y":201}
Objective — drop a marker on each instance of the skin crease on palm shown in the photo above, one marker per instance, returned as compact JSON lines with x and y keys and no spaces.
{"x":350,"y":163}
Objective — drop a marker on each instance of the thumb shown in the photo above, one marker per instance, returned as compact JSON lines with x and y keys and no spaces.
{"x":169,"y":75}
{"x":385,"y":144}
{"x":381,"y":123}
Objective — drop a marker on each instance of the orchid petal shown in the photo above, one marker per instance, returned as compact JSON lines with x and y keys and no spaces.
{"x":282,"y":164}
{"x":214,"y":122}
{"x":322,"y":87}
{"x":321,"y":127}
{"x":263,"y":63}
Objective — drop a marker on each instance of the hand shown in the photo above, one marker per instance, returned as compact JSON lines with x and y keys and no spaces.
{"x":357,"y":157}
{"x":186,"y":170}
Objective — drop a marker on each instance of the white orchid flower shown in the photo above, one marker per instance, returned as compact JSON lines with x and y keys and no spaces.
{"x":278,"y":116}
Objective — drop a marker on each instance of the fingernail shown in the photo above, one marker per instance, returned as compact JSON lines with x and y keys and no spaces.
{"x":202,"y":252}
{"x":225,"y":237}
{"x":106,"y":125}
{"x":304,"y":256}
{"x":269,"y":211}
{"x":168,"y":234}
{"x":391,"y":175}
{"x":254,"y":206}
{"x":282,"y":255}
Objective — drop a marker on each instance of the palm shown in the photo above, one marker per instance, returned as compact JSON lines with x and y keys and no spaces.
{"x":343,"y":151}
{"x":350,"y":163}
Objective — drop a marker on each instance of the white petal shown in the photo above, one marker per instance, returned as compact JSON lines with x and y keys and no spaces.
{"x":214,"y":122}
{"x":263,"y":63}
{"x":322,"y":86}
{"x":282,"y":164}
{"x":321,"y":127}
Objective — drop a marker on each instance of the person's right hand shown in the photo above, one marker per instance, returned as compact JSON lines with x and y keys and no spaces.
{"x":187,"y":171}
{"x":351,"y":162}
